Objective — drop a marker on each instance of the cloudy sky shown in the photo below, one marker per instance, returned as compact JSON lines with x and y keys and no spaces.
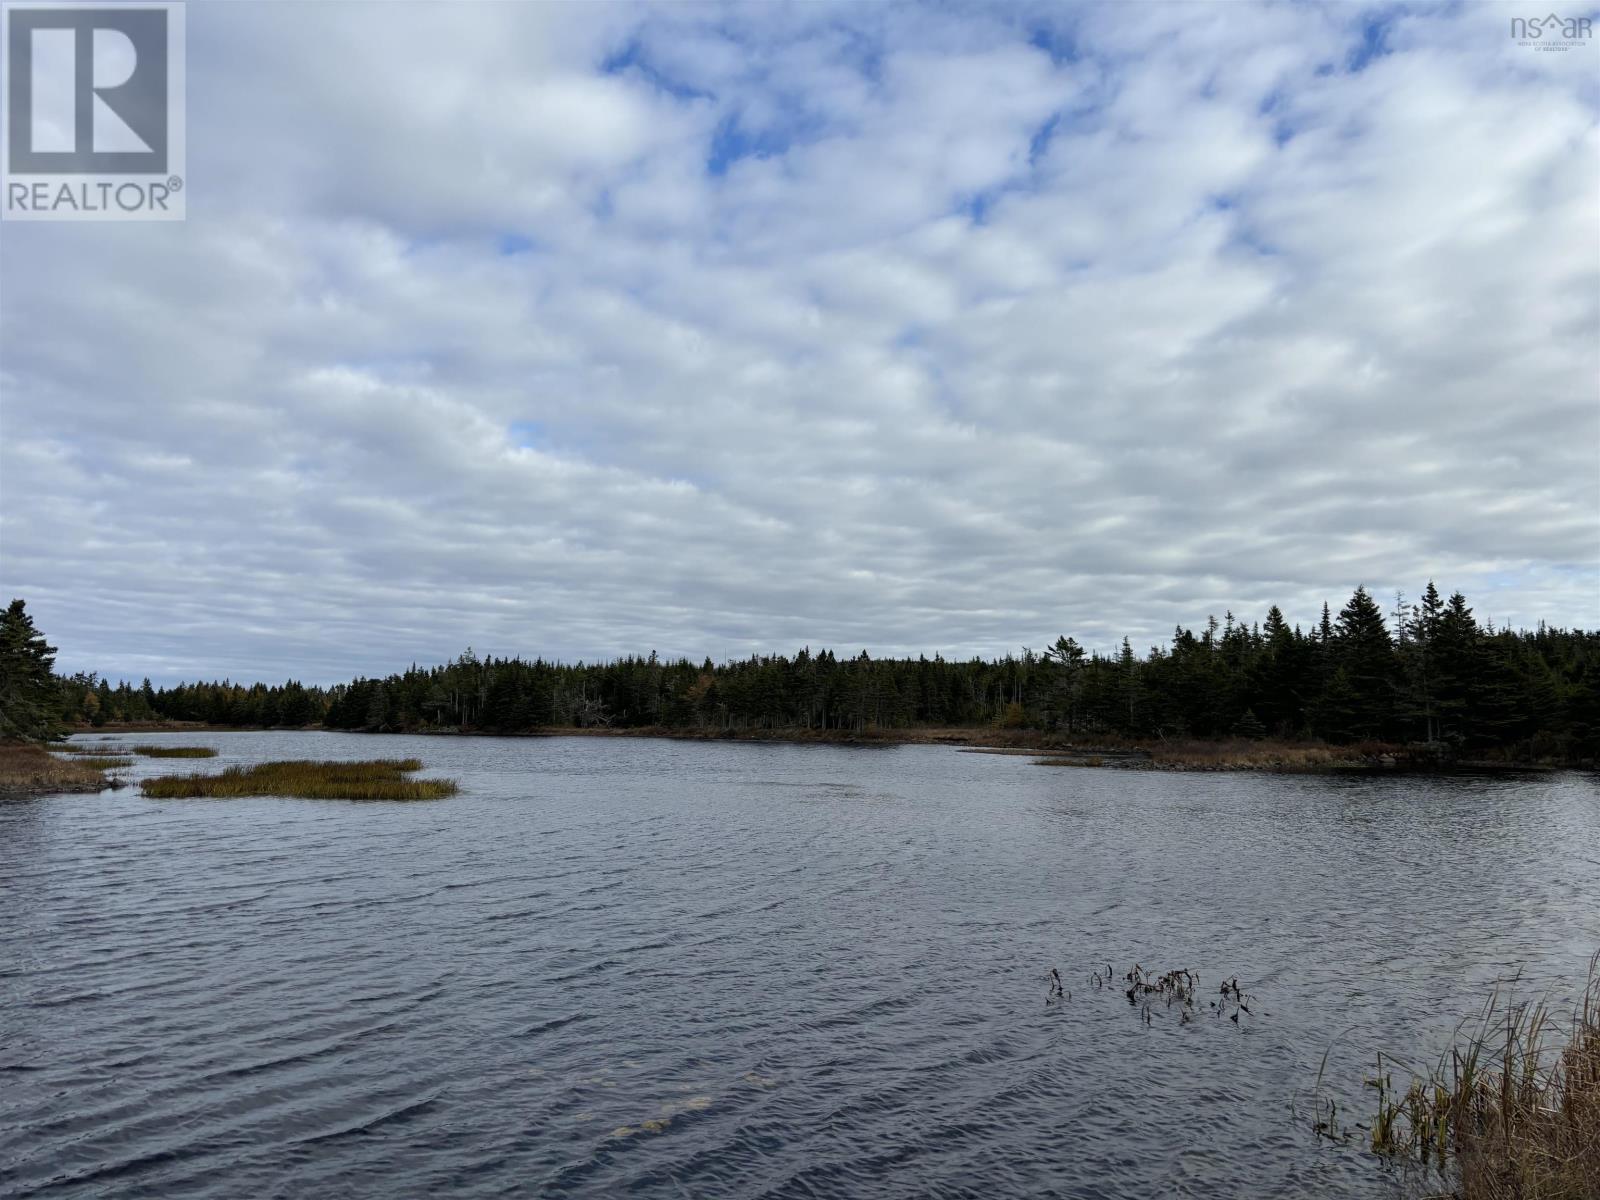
{"x":585,"y":329}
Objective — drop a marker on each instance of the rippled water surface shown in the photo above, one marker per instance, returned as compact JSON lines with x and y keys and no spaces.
{"x":686,"y":969}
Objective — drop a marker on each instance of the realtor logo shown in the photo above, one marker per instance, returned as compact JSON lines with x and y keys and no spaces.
{"x":93,"y":101}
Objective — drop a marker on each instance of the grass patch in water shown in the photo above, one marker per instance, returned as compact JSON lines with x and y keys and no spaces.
{"x":1511,"y":1111}
{"x":377,"y":779}
{"x":174,"y":751}
{"x":1230,"y":754}
{"x":103,"y":762}
{"x":26,"y":768}
{"x":1245,"y":754}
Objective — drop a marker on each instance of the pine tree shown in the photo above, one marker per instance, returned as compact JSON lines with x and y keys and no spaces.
{"x":1455,"y":654}
{"x":1249,"y":726}
{"x":1418,"y":665}
{"x":1066,"y":689}
{"x":1128,"y":687}
{"x":377,"y":714}
{"x":1275,"y":675}
{"x":1364,"y":654}
{"x":30,"y":701}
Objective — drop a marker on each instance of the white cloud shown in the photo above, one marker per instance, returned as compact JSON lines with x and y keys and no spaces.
{"x":582,"y":330}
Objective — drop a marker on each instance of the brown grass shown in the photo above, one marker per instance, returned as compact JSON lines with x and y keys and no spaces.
{"x":1244,"y":754}
{"x":103,"y":762}
{"x":378,"y":779}
{"x":26,"y":768}
{"x":174,"y":751}
{"x":1238,"y":753}
{"x":1198,"y":754}
{"x":1512,"y":1112}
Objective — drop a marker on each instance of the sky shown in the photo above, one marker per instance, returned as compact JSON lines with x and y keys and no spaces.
{"x":581,"y":330}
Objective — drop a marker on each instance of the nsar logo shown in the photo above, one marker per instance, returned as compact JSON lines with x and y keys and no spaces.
{"x":1552,"y":32}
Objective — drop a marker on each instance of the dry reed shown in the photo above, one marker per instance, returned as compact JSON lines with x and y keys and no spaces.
{"x":1512,"y":1111}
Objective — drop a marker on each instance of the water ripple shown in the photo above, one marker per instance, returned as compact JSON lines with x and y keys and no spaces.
{"x":711,"y":970}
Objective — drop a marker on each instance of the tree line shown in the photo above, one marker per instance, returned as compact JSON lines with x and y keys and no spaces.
{"x":1428,"y":672}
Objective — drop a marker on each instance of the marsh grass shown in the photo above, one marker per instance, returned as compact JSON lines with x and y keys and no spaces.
{"x":378,"y":779}
{"x":103,"y":762}
{"x":91,"y":751}
{"x":1243,"y":753}
{"x":174,"y":751}
{"x":1228,"y":754}
{"x":1512,"y":1111}
{"x":30,"y":768}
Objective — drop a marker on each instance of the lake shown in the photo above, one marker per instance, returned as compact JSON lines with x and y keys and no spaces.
{"x":715,"y":969}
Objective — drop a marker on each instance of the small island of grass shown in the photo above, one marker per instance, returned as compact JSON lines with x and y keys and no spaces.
{"x":174,"y":751}
{"x":376,"y":779}
{"x":103,"y":762}
{"x":30,"y":769}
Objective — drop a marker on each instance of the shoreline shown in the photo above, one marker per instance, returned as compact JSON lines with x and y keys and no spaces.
{"x":1266,"y":755}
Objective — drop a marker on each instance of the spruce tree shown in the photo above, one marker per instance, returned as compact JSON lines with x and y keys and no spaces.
{"x":30,"y":701}
{"x":1364,"y":653}
{"x":1419,"y":666}
{"x":1456,"y":654}
{"x":1249,"y":726}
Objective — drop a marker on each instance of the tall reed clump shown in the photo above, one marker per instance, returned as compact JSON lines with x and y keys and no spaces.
{"x":377,"y":779}
{"x":174,"y":751}
{"x":1512,"y":1112}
